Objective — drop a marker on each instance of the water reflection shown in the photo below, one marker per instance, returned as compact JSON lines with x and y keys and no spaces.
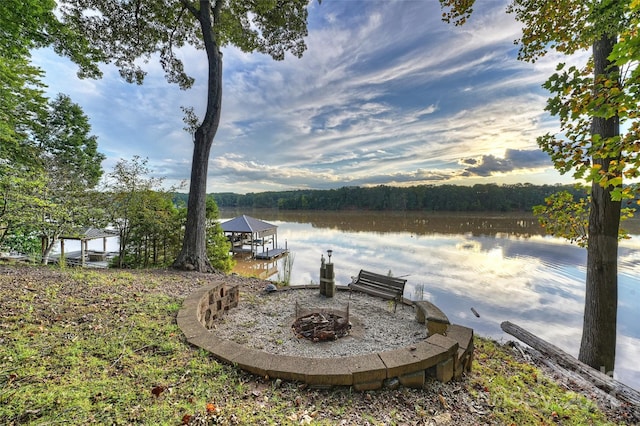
{"x":502,"y":266}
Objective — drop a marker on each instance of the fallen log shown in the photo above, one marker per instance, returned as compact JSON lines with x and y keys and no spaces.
{"x":598,"y":379}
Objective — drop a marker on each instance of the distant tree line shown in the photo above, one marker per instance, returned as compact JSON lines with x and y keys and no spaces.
{"x":476,"y":198}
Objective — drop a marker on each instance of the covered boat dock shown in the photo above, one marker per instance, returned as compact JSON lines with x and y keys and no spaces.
{"x":247,"y":234}
{"x":86,"y":257}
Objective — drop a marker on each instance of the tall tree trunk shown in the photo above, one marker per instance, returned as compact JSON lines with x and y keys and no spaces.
{"x":193,"y":255}
{"x":598,"y":345}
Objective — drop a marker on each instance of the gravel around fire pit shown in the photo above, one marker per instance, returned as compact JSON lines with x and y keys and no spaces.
{"x":263,"y":321}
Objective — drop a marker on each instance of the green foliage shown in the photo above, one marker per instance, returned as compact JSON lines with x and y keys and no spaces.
{"x":29,"y":24}
{"x":594,"y":103}
{"x":564,"y":217}
{"x":20,"y":190}
{"x":140,"y":30}
{"x":148,"y":222}
{"x":521,"y":394}
{"x":218,"y":246}
{"x":35,"y":181}
{"x":285,"y":269}
{"x":23,"y":241}
{"x":129,"y":33}
{"x":72,"y":165}
{"x":489,"y":197}
{"x":67,"y":145}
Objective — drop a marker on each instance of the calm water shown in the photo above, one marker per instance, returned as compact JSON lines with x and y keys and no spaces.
{"x":502,"y":266}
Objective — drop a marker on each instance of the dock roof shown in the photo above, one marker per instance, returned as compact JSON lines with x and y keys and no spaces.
{"x":91,"y":233}
{"x":246,"y":223}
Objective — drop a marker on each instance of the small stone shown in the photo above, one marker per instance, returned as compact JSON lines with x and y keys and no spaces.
{"x":392,"y":383}
{"x":443,"y":419}
{"x":277,"y":383}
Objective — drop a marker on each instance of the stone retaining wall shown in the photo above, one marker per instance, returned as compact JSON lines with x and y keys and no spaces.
{"x":217,"y":300}
{"x":444,"y":356}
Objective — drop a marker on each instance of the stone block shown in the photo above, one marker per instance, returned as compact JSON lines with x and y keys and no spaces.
{"x":413,"y":358}
{"x":327,"y":371}
{"x":427,"y":311}
{"x":190,"y":327}
{"x":366,"y":368}
{"x":368,"y":386}
{"x":450,"y":345}
{"x":224,"y":350}
{"x":413,"y":380}
{"x":435,"y":327}
{"x":462,"y":335}
{"x":254,"y":361}
{"x":444,"y":370}
{"x":290,"y":368}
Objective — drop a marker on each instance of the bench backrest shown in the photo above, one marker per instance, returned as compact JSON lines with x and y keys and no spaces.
{"x":371,"y":277}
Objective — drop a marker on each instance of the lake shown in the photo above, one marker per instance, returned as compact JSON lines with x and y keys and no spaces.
{"x":503,"y":266}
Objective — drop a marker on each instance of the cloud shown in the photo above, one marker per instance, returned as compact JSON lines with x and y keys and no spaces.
{"x":514,"y":159}
{"x":385,"y":94}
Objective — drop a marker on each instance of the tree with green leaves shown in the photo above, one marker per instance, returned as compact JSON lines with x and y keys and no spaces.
{"x":129,"y":32}
{"x":218,"y":246}
{"x":156,"y":230}
{"x":591,"y":102}
{"x":124,"y":198}
{"x":20,"y":201}
{"x":72,"y":167}
{"x":27,"y":25}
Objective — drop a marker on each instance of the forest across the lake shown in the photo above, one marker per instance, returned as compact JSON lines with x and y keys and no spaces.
{"x":476,"y":198}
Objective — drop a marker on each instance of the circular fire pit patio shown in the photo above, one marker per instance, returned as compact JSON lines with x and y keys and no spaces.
{"x":440,"y":349}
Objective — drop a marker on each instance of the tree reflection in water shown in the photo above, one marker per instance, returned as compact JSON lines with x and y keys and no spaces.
{"x":503,"y":266}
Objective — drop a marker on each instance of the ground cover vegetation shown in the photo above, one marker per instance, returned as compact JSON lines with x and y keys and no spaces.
{"x":597,"y":106}
{"x":83,"y":346}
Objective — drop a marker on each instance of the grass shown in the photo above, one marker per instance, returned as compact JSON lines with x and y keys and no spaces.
{"x":91,"y":347}
{"x":521,"y":394}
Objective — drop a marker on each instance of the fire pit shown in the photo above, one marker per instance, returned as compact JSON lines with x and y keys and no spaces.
{"x":382,"y":345}
{"x":321,"y":325}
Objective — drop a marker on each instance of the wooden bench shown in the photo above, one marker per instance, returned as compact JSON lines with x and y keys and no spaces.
{"x":379,"y":285}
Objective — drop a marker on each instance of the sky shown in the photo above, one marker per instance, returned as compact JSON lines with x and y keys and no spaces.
{"x":386,"y":94}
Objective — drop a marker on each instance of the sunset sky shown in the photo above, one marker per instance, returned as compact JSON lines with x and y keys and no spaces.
{"x":386,"y":93}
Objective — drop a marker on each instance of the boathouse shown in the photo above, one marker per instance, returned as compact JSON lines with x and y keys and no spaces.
{"x":85,"y":257}
{"x":247,"y":235}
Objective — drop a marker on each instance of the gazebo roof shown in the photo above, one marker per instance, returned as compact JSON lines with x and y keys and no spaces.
{"x":92,"y":234}
{"x":246,"y":223}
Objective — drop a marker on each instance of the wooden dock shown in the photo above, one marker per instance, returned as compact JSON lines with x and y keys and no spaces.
{"x":92,"y":259}
{"x":271,"y":254}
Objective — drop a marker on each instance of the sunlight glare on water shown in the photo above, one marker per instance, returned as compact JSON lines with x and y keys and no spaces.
{"x":503,"y":267}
